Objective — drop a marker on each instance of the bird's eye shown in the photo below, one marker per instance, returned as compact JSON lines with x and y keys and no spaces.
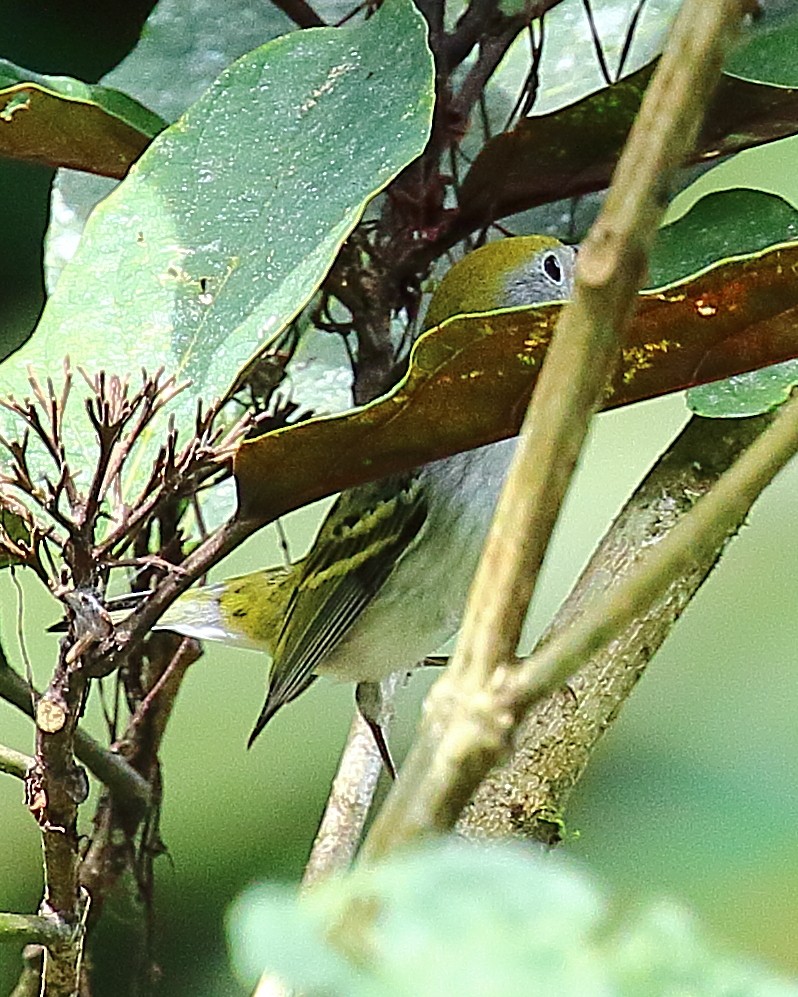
{"x":552,"y":268}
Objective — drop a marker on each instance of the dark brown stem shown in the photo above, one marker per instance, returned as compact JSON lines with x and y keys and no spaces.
{"x":476,"y":22}
{"x":130,"y":635}
{"x":301,"y":13}
{"x":55,"y":787}
{"x":116,"y":824}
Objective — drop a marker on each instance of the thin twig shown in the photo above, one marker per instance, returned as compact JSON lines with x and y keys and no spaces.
{"x":348,"y":805}
{"x":14,"y":762}
{"x":130,"y":635}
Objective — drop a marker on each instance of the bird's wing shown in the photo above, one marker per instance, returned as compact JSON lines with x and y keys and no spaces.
{"x":358,"y":545}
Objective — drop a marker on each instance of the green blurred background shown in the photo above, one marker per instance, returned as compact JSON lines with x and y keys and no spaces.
{"x":692,"y":793}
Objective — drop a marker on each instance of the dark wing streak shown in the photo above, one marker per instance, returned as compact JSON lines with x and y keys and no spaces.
{"x":330,"y":609}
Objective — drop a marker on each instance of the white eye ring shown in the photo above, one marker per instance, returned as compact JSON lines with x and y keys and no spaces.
{"x":551,"y":268}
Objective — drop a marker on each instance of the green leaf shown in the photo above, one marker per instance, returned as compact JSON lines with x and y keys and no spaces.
{"x":182,"y":49}
{"x":745,"y":394}
{"x":733,"y":222}
{"x":271,"y":911}
{"x":769,"y":55}
{"x":456,"y":918}
{"x":228,"y":223}
{"x":721,"y":225}
{"x":64,"y":122}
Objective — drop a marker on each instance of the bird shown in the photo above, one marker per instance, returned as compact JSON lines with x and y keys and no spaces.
{"x":385,"y":581}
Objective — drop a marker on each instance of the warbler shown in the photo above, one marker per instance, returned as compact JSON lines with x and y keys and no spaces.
{"x":385,"y":581}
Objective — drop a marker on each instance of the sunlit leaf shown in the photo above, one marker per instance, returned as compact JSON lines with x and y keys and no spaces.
{"x":228,"y":223}
{"x":183,"y":47}
{"x":731,"y":221}
{"x":64,"y":122}
{"x":746,"y":394}
{"x":722,"y":224}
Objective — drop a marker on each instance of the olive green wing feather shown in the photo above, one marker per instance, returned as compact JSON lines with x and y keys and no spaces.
{"x":359,"y":542}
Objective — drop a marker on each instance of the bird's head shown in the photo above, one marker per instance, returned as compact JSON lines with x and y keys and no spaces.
{"x":523,"y":270}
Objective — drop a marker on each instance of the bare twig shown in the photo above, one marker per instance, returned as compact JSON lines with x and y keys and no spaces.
{"x":348,"y":805}
{"x":467,"y":728}
{"x":14,"y":762}
{"x":109,"y":767}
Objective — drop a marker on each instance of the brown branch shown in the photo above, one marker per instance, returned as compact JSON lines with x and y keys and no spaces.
{"x":491,"y":52}
{"x":130,"y":635}
{"x":111,"y":852}
{"x":527,"y":796}
{"x":475,"y":23}
{"x":468,"y":724}
{"x":109,"y":767}
{"x":301,"y":13}
{"x":55,"y":787}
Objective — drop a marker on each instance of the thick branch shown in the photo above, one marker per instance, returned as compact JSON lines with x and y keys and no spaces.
{"x":468,"y":727}
{"x":56,"y":786}
{"x":555,"y":741}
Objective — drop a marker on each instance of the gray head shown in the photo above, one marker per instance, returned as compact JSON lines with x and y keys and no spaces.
{"x":546,"y":276}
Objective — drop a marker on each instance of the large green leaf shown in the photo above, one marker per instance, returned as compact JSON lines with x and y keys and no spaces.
{"x":64,"y":122}
{"x":227,"y":224}
{"x":723,"y":224}
{"x":184,"y":46}
{"x":454,"y":918}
